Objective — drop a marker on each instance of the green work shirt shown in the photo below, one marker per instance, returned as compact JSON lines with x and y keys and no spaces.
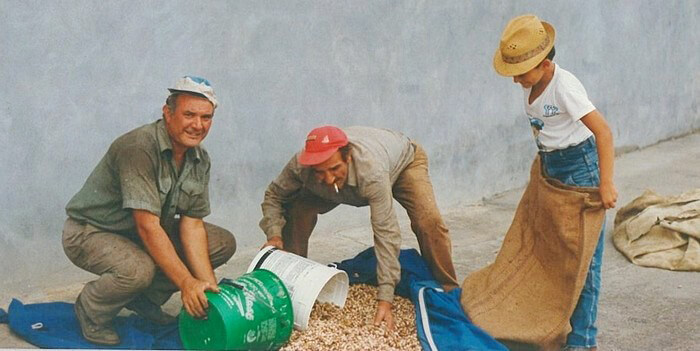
{"x":139,"y":172}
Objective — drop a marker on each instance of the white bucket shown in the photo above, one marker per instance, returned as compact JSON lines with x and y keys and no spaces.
{"x":306,"y":281}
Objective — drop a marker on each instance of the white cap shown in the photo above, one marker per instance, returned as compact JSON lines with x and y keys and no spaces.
{"x":195,"y":85}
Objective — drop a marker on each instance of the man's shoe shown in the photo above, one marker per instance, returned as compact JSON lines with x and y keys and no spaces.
{"x":98,"y":334}
{"x":150,"y":311}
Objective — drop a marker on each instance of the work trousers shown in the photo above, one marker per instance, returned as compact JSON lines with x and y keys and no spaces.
{"x":126,"y":269}
{"x":578,"y":165}
{"x":414,"y":191}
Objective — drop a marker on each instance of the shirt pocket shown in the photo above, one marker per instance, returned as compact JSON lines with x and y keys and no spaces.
{"x":190,"y":193}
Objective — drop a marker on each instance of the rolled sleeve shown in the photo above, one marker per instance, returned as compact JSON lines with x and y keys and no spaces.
{"x":387,"y":236}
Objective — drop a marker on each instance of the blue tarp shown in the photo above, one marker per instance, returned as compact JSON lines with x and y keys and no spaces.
{"x":54,"y":325}
{"x":440,"y":321}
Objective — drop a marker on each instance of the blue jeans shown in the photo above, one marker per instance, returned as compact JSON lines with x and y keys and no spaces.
{"x":578,"y":165}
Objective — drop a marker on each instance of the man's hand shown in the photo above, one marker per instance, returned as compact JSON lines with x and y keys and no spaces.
{"x":384,"y":314}
{"x":161,"y":249}
{"x":193,"y":298}
{"x":275,"y":241}
{"x":608,"y":195}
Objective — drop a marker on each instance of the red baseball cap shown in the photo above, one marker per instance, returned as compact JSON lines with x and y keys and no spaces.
{"x":321,"y":144}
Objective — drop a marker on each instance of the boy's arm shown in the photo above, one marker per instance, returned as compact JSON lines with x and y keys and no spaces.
{"x":595,"y":121}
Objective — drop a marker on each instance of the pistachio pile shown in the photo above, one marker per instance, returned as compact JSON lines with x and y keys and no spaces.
{"x":352,"y":328}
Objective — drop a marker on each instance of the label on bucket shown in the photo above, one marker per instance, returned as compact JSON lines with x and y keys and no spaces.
{"x":253,"y":312}
{"x":243,"y":303}
{"x":307,"y":281}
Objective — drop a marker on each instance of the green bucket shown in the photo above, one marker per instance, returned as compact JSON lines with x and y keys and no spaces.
{"x":253,"y":312}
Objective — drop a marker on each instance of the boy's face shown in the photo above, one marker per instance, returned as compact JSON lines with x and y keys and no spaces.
{"x":531,"y":77}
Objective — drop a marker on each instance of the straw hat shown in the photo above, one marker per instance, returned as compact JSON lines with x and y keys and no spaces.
{"x":525,"y":42}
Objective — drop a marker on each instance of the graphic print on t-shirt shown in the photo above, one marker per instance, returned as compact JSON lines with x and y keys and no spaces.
{"x":536,"y":124}
{"x":550,"y":111}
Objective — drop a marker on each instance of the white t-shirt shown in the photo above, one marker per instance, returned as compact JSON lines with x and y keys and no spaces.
{"x":555,"y":116}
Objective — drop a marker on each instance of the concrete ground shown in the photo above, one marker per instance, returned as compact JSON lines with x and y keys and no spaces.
{"x":640,"y":308}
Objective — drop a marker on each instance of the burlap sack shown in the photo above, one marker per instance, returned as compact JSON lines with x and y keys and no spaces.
{"x":529,"y":293}
{"x":661,"y":231}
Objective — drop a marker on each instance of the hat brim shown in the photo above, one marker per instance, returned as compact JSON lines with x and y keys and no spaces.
{"x":187,"y":92}
{"x":515,"y":69}
{"x":195,"y":93}
{"x":306,"y":158}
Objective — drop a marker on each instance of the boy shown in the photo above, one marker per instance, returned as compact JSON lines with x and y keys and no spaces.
{"x":571,"y":136}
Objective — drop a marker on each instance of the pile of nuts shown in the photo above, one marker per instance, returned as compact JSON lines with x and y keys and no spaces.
{"x":352,"y":327}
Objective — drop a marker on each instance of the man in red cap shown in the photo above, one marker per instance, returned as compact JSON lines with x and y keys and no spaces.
{"x":361,"y":166}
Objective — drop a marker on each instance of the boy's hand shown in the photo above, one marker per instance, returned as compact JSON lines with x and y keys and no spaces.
{"x":608,"y":194}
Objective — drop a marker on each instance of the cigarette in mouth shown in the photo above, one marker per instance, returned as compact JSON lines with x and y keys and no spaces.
{"x":336,"y":187}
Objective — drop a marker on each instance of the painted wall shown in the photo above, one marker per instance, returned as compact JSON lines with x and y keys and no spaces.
{"x":74,"y":75}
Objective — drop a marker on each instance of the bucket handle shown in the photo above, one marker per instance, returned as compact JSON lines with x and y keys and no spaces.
{"x":229,"y":282}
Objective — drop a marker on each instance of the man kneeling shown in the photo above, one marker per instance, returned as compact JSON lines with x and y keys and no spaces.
{"x":137,"y":221}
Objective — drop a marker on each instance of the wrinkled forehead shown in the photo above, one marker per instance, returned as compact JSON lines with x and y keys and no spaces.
{"x":193,"y":102}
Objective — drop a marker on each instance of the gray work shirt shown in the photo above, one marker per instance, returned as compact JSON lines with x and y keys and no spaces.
{"x":378,"y":158}
{"x":139,"y":172}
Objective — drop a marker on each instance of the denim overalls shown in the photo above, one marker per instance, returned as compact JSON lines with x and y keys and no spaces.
{"x":578,"y":165}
